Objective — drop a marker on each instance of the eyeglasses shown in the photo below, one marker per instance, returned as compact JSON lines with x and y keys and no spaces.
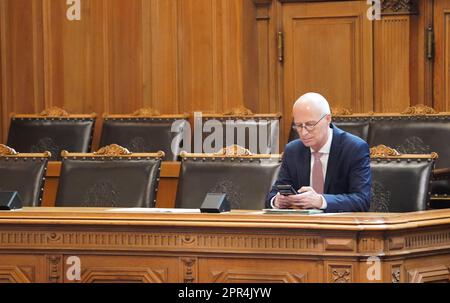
{"x":309,"y":126}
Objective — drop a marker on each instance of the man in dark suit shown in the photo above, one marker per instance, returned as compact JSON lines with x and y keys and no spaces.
{"x":329,"y":167}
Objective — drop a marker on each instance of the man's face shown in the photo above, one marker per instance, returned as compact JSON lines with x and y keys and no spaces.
{"x":318,"y":135}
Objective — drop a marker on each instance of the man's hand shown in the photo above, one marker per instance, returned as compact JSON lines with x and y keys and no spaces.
{"x":306,"y":199}
{"x":281,"y":201}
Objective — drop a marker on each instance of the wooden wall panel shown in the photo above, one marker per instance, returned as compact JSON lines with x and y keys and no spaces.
{"x":125,"y":55}
{"x":266,"y":68}
{"x":421,"y":67}
{"x":392,"y":64}
{"x":198,"y":61}
{"x":160,"y":55}
{"x":328,"y":49}
{"x":74,"y":56}
{"x":21,"y":61}
{"x":211,"y":55}
{"x":442,"y":65}
{"x":403,"y":73}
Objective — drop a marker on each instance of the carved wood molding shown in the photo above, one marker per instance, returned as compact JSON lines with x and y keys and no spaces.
{"x":214,"y":242}
{"x":419,"y":110}
{"x":146,"y":112}
{"x":54,"y":112}
{"x":383,"y":151}
{"x":413,"y":241}
{"x":399,"y":7}
{"x":189,"y":269}
{"x":438,"y":273}
{"x":234,"y":150}
{"x":396,"y":243}
{"x":340,"y":273}
{"x":7,"y":151}
{"x":231,"y":154}
{"x":113,"y":150}
{"x":396,"y":273}
{"x":124,"y":274}
{"x":238,"y":111}
{"x":337,"y":111}
{"x":16,"y":274}
{"x":167,"y":241}
{"x":268,"y":276}
{"x":336,"y":244}
{"x":419,"y":240}
{"x":54,"y":269}
{"x":371,"y":244}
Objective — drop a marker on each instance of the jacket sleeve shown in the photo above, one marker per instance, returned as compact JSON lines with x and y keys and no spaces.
{"x":284,"y":178}
{"x":360,"y":182}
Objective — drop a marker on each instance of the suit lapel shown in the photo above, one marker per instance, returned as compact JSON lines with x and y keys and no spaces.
{"x":304,"y":170}
{"x":333,"y":159}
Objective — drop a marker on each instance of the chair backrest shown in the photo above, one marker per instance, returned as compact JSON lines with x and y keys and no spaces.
{"x":111,"y":177}
{"x":243,"y":177}
{"x":53,"y":130}
{"x":416,"y":134}
{"x":258,"y":133}
{"x":400,"y":182}
{"x":145,"y":131}
{"x":24,"y":173}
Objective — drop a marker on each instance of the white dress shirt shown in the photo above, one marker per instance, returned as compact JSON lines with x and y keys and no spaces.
{"x":325,"y":151}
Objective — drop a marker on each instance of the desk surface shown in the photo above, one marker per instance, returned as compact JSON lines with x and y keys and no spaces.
{"x":257,"y":219}
{"x":240,"y":246}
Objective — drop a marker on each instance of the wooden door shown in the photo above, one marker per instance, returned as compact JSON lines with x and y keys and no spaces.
{"x":328,"y":49}
{"x":442,"y":55}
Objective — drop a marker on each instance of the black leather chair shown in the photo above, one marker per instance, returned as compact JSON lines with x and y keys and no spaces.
{"x":259,"y":133}
{"x":244,"y":178}
{"x":417,"y":130}
{"x":144,"y":133}
{"x":400,"y":182}
{"x":24,"y":173}
{"x":53,"y":130}
{"x":111,"y":177}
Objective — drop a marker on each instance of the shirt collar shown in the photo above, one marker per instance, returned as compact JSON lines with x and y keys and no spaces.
{"x":327,"y":147}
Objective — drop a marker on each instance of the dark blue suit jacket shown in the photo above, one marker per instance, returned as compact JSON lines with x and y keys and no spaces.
{"x":348,"y":179}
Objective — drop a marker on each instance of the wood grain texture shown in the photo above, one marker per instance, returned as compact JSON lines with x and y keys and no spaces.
{"x":182,"y":56}
{"x":328,"y":49}
{"x":392,"y":64}
{"x":442,"y":63}
{"x":240,"y":246}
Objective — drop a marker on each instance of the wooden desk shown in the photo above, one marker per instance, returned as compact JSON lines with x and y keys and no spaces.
{"x":35,"y":245}
{"x":167,"y":188}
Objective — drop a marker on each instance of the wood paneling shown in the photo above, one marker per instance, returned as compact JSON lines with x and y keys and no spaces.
{"x":421,"y":67}
{"x":267,"y":67}
{"x":74,"y":57}
{"x":392,"y":64}
{"x":160,"y":55}
{"x":21,"y":58}
{"x":125,"y":55}
{"x":403,"y":73}
{"x":241,"y":246}
{"x":211,"y":55}
{"x":328,"y":49}
{"x":442,"y":63}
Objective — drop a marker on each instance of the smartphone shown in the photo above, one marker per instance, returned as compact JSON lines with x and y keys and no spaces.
{"x":286,"y":190}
